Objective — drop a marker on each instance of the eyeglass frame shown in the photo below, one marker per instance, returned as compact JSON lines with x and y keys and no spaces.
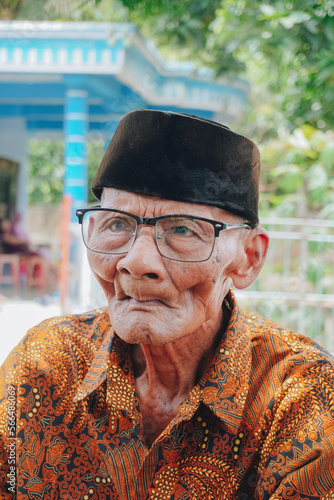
{"x":152,"y":221}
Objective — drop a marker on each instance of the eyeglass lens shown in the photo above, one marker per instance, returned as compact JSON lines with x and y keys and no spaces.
{"x":177,"y":237}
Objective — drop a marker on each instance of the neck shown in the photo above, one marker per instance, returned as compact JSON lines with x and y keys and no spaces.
{"x":165,"y":375}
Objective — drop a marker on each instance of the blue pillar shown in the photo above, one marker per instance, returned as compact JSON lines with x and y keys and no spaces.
{"x":76,"y":127}
{"x":106,"y":143}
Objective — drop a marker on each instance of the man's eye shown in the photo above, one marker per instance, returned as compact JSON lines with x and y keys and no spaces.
{"x":183,"y":231}
{"x":117,"y":225}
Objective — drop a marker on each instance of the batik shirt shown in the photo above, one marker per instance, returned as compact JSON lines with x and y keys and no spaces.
{"x":259,"y":424}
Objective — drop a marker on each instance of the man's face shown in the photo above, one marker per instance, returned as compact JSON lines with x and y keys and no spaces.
{"x":154,"y":300}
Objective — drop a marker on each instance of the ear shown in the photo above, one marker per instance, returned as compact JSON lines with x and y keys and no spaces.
{"x":252,"y":258}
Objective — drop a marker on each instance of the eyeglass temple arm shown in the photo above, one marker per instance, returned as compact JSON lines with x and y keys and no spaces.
{"x":226,"y":225}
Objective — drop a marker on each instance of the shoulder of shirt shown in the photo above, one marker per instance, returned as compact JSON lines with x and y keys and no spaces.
{"x":68,"y":333}
{"x":272,"y":337}
{"x":91,"y":325}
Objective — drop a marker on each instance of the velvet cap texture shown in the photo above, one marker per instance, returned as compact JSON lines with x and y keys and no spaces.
{"x":182,"y":157}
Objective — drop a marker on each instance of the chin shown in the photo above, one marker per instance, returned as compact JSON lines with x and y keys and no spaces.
{"x":142,"y":335}
{"x":141,"y":329}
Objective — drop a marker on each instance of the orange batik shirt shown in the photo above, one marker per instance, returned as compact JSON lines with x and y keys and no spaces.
{"x":258,"y":425}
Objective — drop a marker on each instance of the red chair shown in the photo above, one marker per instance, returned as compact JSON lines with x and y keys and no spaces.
{"x":38,"y":273}
{"x":10,"y":271}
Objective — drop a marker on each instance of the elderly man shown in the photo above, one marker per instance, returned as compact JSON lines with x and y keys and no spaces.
{"x":172,"y":392}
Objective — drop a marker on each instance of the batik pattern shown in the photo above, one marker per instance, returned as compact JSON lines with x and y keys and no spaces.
{"x":258,"y":425}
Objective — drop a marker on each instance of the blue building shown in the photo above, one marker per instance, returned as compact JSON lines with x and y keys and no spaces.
{"x":76,"y":79}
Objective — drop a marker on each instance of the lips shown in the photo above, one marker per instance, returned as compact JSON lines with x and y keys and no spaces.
{"x":142,"y":299}
{"x":144,"y":294}
{"x":150,"y":302}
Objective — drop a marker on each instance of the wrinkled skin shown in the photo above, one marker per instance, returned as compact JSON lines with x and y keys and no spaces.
{"x":171,"y":312}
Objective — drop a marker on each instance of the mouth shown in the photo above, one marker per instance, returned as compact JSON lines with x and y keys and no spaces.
{"x":142,"y":301}
{"x":142,"y":297}
{"x":145,"y":303}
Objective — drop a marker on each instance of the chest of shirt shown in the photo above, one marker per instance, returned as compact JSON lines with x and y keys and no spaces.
{"x":105,"y":457}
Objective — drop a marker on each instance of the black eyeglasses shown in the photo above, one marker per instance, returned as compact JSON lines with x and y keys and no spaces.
{"x":184,"y":238}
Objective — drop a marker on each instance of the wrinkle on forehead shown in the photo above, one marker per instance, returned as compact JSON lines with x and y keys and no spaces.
{"x":151,"y":206}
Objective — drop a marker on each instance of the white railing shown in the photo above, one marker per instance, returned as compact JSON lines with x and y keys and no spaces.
{"x":296,"y":285}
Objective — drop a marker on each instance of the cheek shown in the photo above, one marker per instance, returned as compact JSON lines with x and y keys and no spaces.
{"x":103,"y":266}
{"x":216,"y":275}
{"x":185,"y":275}
{"x":200,"y":280}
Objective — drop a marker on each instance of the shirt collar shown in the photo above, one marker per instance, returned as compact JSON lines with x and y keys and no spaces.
{"x":97,"y":371}
{"x":224,"y":384}
{"x":111,"y":363}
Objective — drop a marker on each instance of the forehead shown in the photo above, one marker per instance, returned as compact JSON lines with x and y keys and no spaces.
{"x":150,"y":206}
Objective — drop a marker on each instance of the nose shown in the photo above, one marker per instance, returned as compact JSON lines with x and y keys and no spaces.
{"x":143,"y":260}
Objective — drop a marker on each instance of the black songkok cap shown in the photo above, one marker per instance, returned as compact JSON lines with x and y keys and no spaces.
{"x":184,"y":158}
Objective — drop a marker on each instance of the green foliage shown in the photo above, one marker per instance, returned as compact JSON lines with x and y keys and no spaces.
{"x":9,"y":9}
{"x":46,"y":169}
{"x":288,"y":47}
{"x":298,"y":174}
{"x":71,"y":10}
{"x":95,"y":152}
{"x":179,"y":28}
